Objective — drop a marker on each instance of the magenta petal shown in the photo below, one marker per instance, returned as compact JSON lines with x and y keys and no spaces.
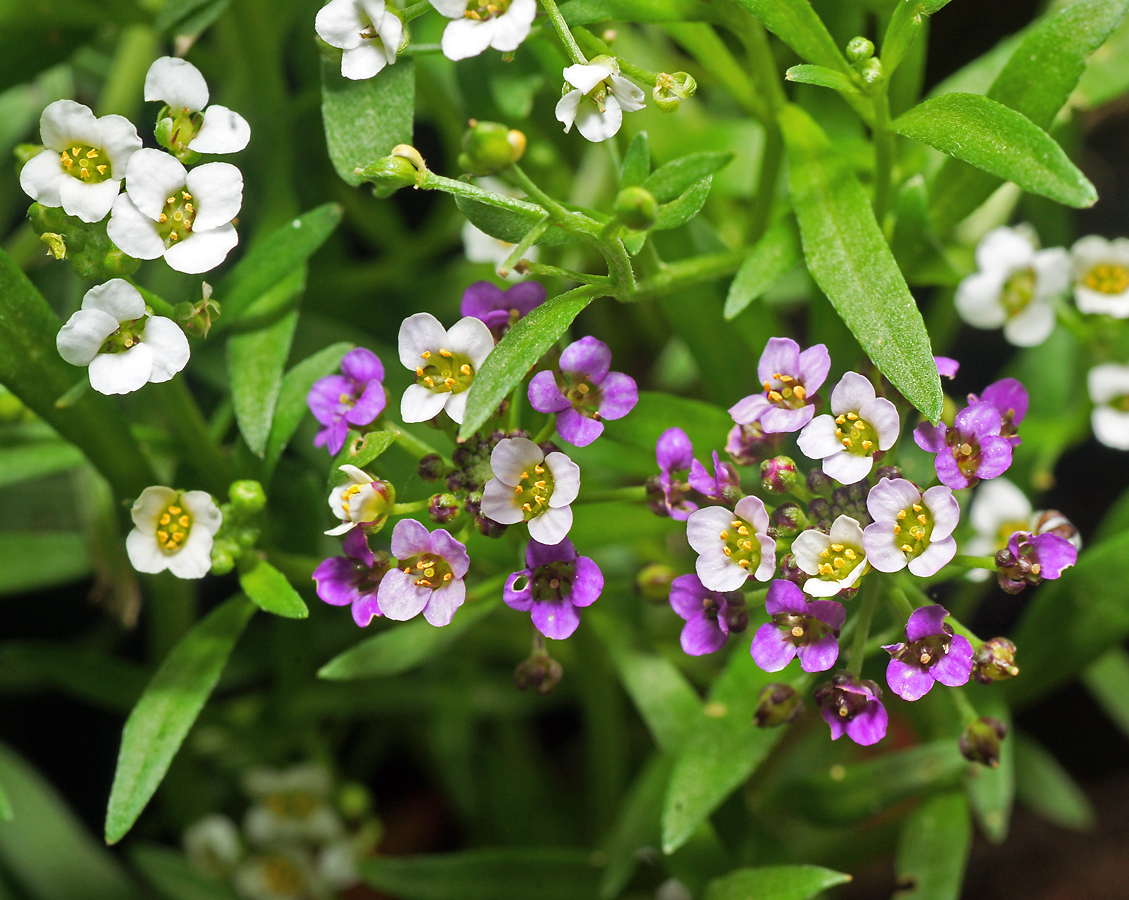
{"x":771,"y":649}
{"x":819,"y":656}
{"x":830,"y":612}
{"x":521,"y":600}
{"x":587,"y":356}
{"x":410,"y":538}
{"x":362,"y":365}
{"x":1054,"y":554}
{"x":335,"y":436}
{"x":356,"y":546}
{"x":524,"y":297}
{"x":930,"y":437}
{"x":619,"y":395}
{"x":545,"y":396}
{"x":324,"y":398}
{"x":556,"y":619}
{"x":925,"y":621}
{"x":578,"y":430}
{"x":869,"y":726}
{"x":674,"y":450}
{"x":781,"y":356}
{"x":451,"y":550}
{"x":587,"y":583}
{"x":949,"y":472}
{"x":686,"y":595}
{"x":538,"y":554}
{"x":980,"y":420}
{"x":778,"y":420}
{"x":785,"y":597}
{"x":995,"y":456}
{"x":335,"y":581}
{"x":1008,"y":396}
{"x":835,"y":721}
{"x":908,"y":682}
{"x":702,"y":634}
{"x":954,"y":668}
{"x":481,"y":298}
{"x":365,"y":610}
{"x":369,"y":406}
{"x":946,"y":367}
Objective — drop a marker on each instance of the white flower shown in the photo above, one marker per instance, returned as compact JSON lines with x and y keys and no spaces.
{"x":599,"y":98}
{"x":531,"y":487}
{"x":1101,"y":275}
{"x":1013,"y":287}
{"x":123,"y":347}
{"x":1109,"y":389}
{"x":212,"y":844}
{"x":174,"y":531}
{"x":863,"y":424}
{"x":835,"y":561}
{"x":180,"y":86}
{"x":445,"y":363}
{"x":910,"y":528}
{"x":501,"y":24}
{"x":365,"y":30}
{"x":290,"y":805}
{"x":282,"y":873}
{"x":85,"y":158}
{"x":732,"y":545}
{"x":180,"y":215}
{"x":361,"y":500}
{"x":480,"y":247}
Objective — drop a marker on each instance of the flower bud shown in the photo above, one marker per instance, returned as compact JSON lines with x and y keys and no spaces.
{"x":540,"y":672}
{"x":247,"y":498}
{"x":653,"y":582}
{"x":859,"y":49}
{"x":1051,"y":521}
{"x":354,"y":800}
{"x":890,"y":472}
{"x":736,"y":615}
{"x":387,"y":494}
{"x":779,"y":475}
{"x":636,"y":208}
{"x":487,"y":527}
{"x":196,"y":318}
{"x":871,"y":71}
{"x":443,"y":508}
{"x":980,"y":741}
{"x":994,"y":660}
{"x":548,"y":447}
{"x":56,"y":244}
{"x":176,"y":131}
{"x":777,"y":704}
{"x":489,"y":147}
{"x":224,"y":553}
{"x":431,"y":467}
{"x":787,"y":519}
{"x":389,"y":174}
{"x":820,"y":483}
{"x":671,"y":89}
{"x":747,"y":445}
{"x":789,"y":571}
{"x":656,"y":496}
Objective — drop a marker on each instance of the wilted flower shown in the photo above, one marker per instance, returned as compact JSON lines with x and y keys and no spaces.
{"x":790,"y":378}
{"x":173,"y":530}
{"x":861,"y":425}
{"x":930,"y":652}
{"x":732,"y":545}
{"x":1029,"y":559}
{"x":809,"y":630}
{"x":555,"y":584}
{"x":362,"y":500}
{"x":720,"y":484}
{"x":429,"y":578}
{"x":710,"y":615}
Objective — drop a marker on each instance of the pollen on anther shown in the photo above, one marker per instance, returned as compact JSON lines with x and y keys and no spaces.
{"x":726,"y":551}
{"x":743,"y":531}
{"x":465,"y":369}
{"x":725,"y":535}
{"x":906,"y":548}
{"x":850,"y":554}
{"x":539,"y":469}
{"x":839,"y":420}
{"x":852,"y":416}
{"x":744,"y":563}
{"x":901,"y":514}
{"x":425,"y":355}
{"x":838,"y":548}
{"x":797,"y":631}
{"x":419,"y":371}
{"x":921,"y":518}
{"x":917,"y":507}
{"x":446,"y":354}
{"x":847,"y":442}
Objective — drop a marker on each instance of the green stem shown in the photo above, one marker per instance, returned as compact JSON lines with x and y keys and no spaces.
{"x":563,"y":32}
{"x":121,"y":91}
{"x":883,"y":155}
{"x":531,"y":237}
{"x":422,"y":49}
{"x":170,"y":610}
{"x":634,"y":493}
{"x":686,"y":272}
{"x":531,"y":268}
{"x":903,"y":609}
{"x":596,"y":47}
{"x":199,"y":450}
{"x":771,"y":161}
{"x":406,"y":509}
{"x":974,"y":562}
{"x":415,"y":11}
{"x":487,"y":586}
{"x":857,"y":654}
{"x":413,"y":445}
{"x":964,"y":708}
{"x":619,"y":264}
{"x":547,"y":430}
{"x":551,"y":206}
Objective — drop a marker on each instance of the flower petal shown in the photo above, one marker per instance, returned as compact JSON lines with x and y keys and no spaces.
{"x":151,"y":177}
{"x":513,"y":26}
{"x":588,"y":356}
{"x":869,"y":726}
{"x":818,"y":439}
{"x":222,"y":131}
{"x":883,"y":416}
{"x":586,"y":77}
{"x":587,"y":583}
{"x":882,"y":548}
{"x":471,"y":337}
{"x":464,"y":38}
{"x":806,"y":550}
{"x":148,"y":506}
{"x":42,"y":176}
{"x":598,"y":126}
{"x":889,"y":497}
{"x":556,"y":619}
{"x":339,"y":24}
{"x":784,"y":597}
{"x":934,"y":558}
{"x":90,"y":202}
{"x":144,"y":553}
{"x":753,"y":511}
{"x":444,"y":602}
{"x":500,"y":503}
{"x":521,"y":600}
{"x":945,"y":510}
{"x":399,"y":597}
{"x":1032,"y":326}
{"x":217,"y":189}
{"x":194,"y":559}
{"x":628,"y":95}
{"x":132,"y":231}
{"x":749,"y":409}
{"x":852,"y":391}
{"x":908,"y":682}
{"x":552,"y":526}
{"x":978,"y":300}
{"x":1004,"y":249}
{"x":821,"y":655}
{"x":420,"y":334}
{"x":169,"y":345}
{"x":202,"y":251}
{"x":419,"y":404}
{"x":771,"y":649}
{"x":545,"y":396}
{"x":80,"y":339}
{"x":513,"y":456}
{"x":846,"y":468}
{"x":121,"y":373}
{"x":64,"y":122}
{"x":926,"y":621}
{"x":702,"y":634}
{"x":176,"y":83}
{"x":565,"y":111}
{"x":954,"y":668}
{"x":578,"y":430}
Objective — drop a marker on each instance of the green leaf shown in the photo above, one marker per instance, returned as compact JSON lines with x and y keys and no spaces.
{"x":587,"y":12}
{"x":991,"y":791}
{"x":174,"y":877}
{"x":511,"y":222}
{"x":517,"y":352}
{"x":933,"y":849}
{"x":1000,"y":141}
{"x":849,"y":259}
{"x":776,"y":253}
{"x":680,"y":211}
{"x":188,"y":17}
{"x":6,"y":812}
{"x":798,"y":25}
{"x":774,"y":883}
{"x":1107,"y":680}
{"x":705,"y":424}
{"x":636,"y":161}
{"x":33,"y":560}
{"x":677,"y":176}
{"x":272,"y":259}
{"x":1107,"y":73}
{"x":35,"y":37}
{"x":89,"y":674}
{"x":488,"y":874}
{"x":23,"y":462}
{"x":291,"y":407}
{"x":1045,"y":787}
{"x":46,"y":849}
{"x":255,"y":362}
{"x":270,"y":591}
{"x":636,"y":826}
{"x":823,"y":77}
{"x":360,"y":453}
{"x":365,"y":119}
{"x":163,"y":716}
{"x":403,"y":647}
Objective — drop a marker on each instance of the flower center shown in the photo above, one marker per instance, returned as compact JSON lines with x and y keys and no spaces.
{"x":1107,"y":278}
{"x":846,"y":704}
{"x":1018,"y":291}
{"x":445,"y":372}
{"x":856,"y":435}
{"x":838,"y":561}
{"x":927,"y":651}
{"x":553,"y":581}
{"x":127,"y":335}
{"x":913,"y":528}
{"x":534,"y":490}
{"x":584,"y":397}
{"x":173,"y":525}
{"x":282,"y":876}
{"x":790,"y":394}
{"x":966,"y":452}
{"x":429,"y":571}
{"x":800,"y":629}
{"x":86,"y":163}
{"x":177,"y":216}
{"x":1007,"y":529}
{"x":740,"y":545}
{"x":480,"y":11}
{"x":291,"y":804}
{"x":1120,"y":404}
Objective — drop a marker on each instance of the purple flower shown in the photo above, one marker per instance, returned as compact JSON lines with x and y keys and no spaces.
{"x":930,"y":652}
{"x":861,"y":425}
{"x":946,"y":367}
{"x":747,"y":445}
{"x":583,"y":392}
{"x":429,"y":578}
{"x":851,"y":706}
{"x":710,"y":615}
{"x":910,"y":528}
{"x":968,"y":450}
{"x":732,"y":544}
{"x":499,"y":309}
{"x":790,"y":380}
{"x":1010,"y":398}
{"x":554,"y":585}
{"x":713,"y":486}
{"x":675,"y":456}
{"x":798,"y":628}
{"x":353,"y":579}
{"x":355,"y":397}
{"x":1031,"y":558}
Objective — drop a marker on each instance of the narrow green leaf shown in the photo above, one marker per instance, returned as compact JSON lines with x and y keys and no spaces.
{"x":23,"y":462}
{"x":255,"y":362}
{"x":776,"y":253}
{"x":823,"y":77}
{"x":1047,"y":789}
{"x":173,"y":877}
{"x":1107,"y":74}
{"x":933,"y":849}
{"x":799,"y":26}
{"x":271,"y":592}
{"x":33,"y":560}
{"x":1107,"y":680}
{"x":774,"y":883}
{"x":510,"y":223}
{"x":6,"y":812}
{"x":849,"y":259}
{"x":188,"y":17}
{"x":677,"y":176}
{"x":683,"y":209}
{"x":365,"y":119}
{"x":1000,"y":141}
{"x":636,"y":161}
{"x":636,"y":826}
{"x":991,"y":792}
{"x":587,"y":12}
{"x":86,"y":673}
{"x":163,"y":716}
{"x":403,"y":647}
{"x":489,"y":874}
{"x":518,"y":351}
{"x":360,"y":452}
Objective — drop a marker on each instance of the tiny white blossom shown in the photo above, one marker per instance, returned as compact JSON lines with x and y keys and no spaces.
{"x":1013,"y":287}
{"x":598,"y":100}
{"x":1109,"y":389}
{"x":478,"y":24}
{"x":1101,"y":275}
{"x":174,"y":531}
{"x":732,"y":545}
{"x":445,"y":363}
{"x":861,"y":425}
{"x":212,"y":844}
{"x":359,"y":501}
{"x":529,"y":486}
{"x":184,"y":216}
{"x":122,"y":346}
{"x":290,"y":805}
{"x":834,"y":561}
{"x":180,"y":86}
{"x":366,"y":31}
{"x":280,"y":873}
{"x":85,"y":158}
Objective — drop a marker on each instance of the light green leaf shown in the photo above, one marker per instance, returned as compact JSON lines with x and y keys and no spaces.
{"x":822,"y":76}
{"x":636,"y":161}
{"x":270,"y":591}
{"x":360,"y":453}
{"x":677,"y":176}
{"x":1107,"y":680}
{"x":682,"y":210}
{"x":1000,"y":141}
{"x":189,"y":17}
{"x":636,"y":826}
{"x":774,"y":883}
{"x":799,"y":26}
{"x":33,"y":560}
{"x":163,"y":716}
{"x":511,"y":222}
{"x":6,"y":812}
{"x":365,"y":119}
{"x":1107,"y":73}
{"x":23,"y":462}
{"x":255,"y":362}
{"x":776,"y":253}
{"x":991,"y":792}
{"x":517,"y":352}
{"x":403,"y":647}
{"x":933,"y":849}
{"x":1045,"y":787}
{"x":174,"y":878}
{"x":587,"y":12}
{"x":849,"y":259}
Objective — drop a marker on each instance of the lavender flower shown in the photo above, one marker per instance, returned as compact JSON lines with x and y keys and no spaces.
{"x":946,"y":367}
{"x":533,"y":487}
{"x":863,"y":424}
{"x":554,"y":585}
{"x":1010,"y":398}
{"x":798,"y":628}
{"x":355,"y":397}
{"x":675,"y":456}
{"x":930,"y":652}
{"x":790,"y":378}
{"x":1032,"y":558}
{"x":710,"y":615}
{"x":910,"y":528}
{"x":714,"y":486}
{"x":748,"y":444}
{"x":851,"y":706}
{"x":732,"y":545}
{"x":500,"y":309}
{"x":353,"y":579}
{"x":429,"y":578}
{"x":834,"y":561}
{"x":970,"y":449}
{"x":583,"y":392}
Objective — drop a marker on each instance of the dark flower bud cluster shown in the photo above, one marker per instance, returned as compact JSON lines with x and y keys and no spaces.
{"x":1028,"y":559}
{"x":994,"y":660}
{"x":777,"y":704}
{"x":980,"y":741}
{"x":540,"y":672}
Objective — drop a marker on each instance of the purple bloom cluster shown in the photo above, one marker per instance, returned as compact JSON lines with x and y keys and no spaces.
{"x":355,"y":397}
{"x":499,"y":309}
{"x":554,"y":586}
{"x":353,"y":579}
{"x":1030,"y":559}
{"x":711,"y":616}
{"x":930,"y":653}
{"x":790,"y":378}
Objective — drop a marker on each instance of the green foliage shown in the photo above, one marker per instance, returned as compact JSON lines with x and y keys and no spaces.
{"x":270,"y":591}
{"x":933,"y":849}
{"x":290,"y":408}
{"x":173,"y":878}
{"x":1107,"y":680}
{"x":256,"y":361}
{"x":798,"y":25}
{"x":776,"y":253}
{"x":33,"y":560}
{"x":360,"y":451}
{"x":676,"y":177}
{"x":775,"y":883}
{"x":24,"y":462}
{"x":1045,"y":787}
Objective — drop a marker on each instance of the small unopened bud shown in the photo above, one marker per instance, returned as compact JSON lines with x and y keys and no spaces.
{"x":656,"y":496}
{"x":354,"y":800}
{"x":653,"y":582}
{"x":787,"y":519}
{"x":540,"y":672}
{"x":994,"y":660}
{"x":197,"y":318}
{"x":489,"y":147}
{"x":779,"y":475}
{"x":859,"y":49}
{"x":390,"y":174}
{"x":431,"y":467}
{"x":789,"y":571}
{"x":487,"y":527}
{"x":443,"y":508}
{"x":247,"y":497}
{"x":636,"y":208}
{"x":1051,"y":521}
{"x":890,"y":472}
{"x":871,"y":71}
{"x":56,"y":244}
{"x":777,"y":704}
{"x":224,"y":553}
{"x":980,"y":741}
{"x":747,"y":445}
{"x":736,"y":616}
{"x":819,"y":483}
{"x":671,"y":89}
{"x":411,"y":154}
{"x":548,"y":447}
{"x":387,"y":494}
